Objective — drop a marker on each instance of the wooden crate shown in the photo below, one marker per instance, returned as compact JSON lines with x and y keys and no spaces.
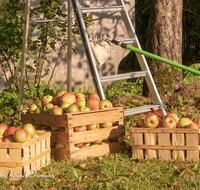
{"x":165,"y":143}
{"x":70,"y":138}
{"x":20,"y":159}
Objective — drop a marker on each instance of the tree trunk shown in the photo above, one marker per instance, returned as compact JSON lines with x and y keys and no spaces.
{"x":164,"y":38}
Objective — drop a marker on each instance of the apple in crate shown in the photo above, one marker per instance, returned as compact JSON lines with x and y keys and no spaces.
{"x":10,"y":131}
{"x":105,"y":104}
{"x":80,"y":94}
{"x":151,"y":121}
{"x":30,"y":128}
{"x":21,"y":135}
{"x":58,"y":96}
{"x":79,"y":145}
{"x":1,"y":139}
{"x":91,"y":95}
{"x":140,"y":121}
{"x":107,"y":124}
{"x":73,"y":108}
{"x":92,"y":127}
{"x":97,"y":142}
{"x":33,"y":108}
{"x":62,"y":129}
{"x":81,"y":128}
{"x":198,"y":122}
{"x":64,"y":106}
{"x":184,"y":122}
{"x":39,"y":110}
{"x":9,"y":138}
{"x":46,"y":100}
{"x":68,"y":97}
{"x":93,"y":103}
{"x":81,"y":103}
{"x":86,"y":144}
{"x":84,"y":109}
{"x":193,"y":126}
{"x":173,"y":115}
{"x":56,"y":111}
{"x":79,"y":97}
{"x":61,"y":146}
{"x":2,"y":130}
{"x":47,"y":108}
{"x":169,"y":122}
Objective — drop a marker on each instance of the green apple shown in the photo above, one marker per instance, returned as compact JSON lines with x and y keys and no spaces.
{"x":47,"y":108}
{"x":84,"y":109}
{"x":33,"y":108}
{"x":64,"y":106}
{"x":30,"y":128}
{"x":107,"y":124}
{"x":81,"y":103}
{"x":92,"y":127}
{"x":39,"y":110}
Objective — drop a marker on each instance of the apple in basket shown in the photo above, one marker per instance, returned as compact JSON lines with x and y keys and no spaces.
{"x":107,"y":124}
{"x":140,"y":121}
{"x":10,"y":131}
{"x":93,"y":103}
{"x":80,"y":128}
{"x":21,"y":135}
{"x":47,"y":99}
{"x":193,"y":126}
{"x":173,"y":115}
{"x":58,"y":96}
{"x":105,"y":104}
{"x":2,"y":130}
{"x":9,"y":139}
{"x":184,"y":122}
{"x":151,"y":121}
{"x":30,"y":128}
{"x":169,"y":122}
{"x":91,"y":95}
{"x":68,"y":97}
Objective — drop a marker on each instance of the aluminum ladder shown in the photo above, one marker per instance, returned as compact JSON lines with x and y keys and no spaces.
{"x":78,"y":11}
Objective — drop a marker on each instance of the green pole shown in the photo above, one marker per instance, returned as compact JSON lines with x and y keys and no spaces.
{"x":126,"y":46}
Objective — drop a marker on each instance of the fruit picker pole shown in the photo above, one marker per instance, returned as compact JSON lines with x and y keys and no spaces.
{"x":126,"y":46}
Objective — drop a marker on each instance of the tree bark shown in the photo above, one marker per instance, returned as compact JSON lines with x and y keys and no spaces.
{"x":164,"y":38}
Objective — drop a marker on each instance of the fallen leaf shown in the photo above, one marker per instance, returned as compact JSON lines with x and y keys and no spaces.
{"x":141,"y":159}
{"x":82,"y":165}
{"x":80,"y":179}
{"x":59,"y":176}
{"x":185,"y":171}
{"x":177,"y":182}
{"x":51,"y":188}
{"x":116,"y":181}
{"x":62,"y":181}
{"x":129,"y":173}
{"x":168,"y":184}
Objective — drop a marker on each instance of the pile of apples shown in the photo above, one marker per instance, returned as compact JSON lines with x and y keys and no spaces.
{"x":12,"y":134}
{"x":170,"y":121}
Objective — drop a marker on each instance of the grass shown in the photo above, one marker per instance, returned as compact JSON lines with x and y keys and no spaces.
{"x":119,"y":171}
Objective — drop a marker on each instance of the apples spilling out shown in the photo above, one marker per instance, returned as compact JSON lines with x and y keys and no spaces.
{"x":170,"y":121}
{"x":12,"y":134}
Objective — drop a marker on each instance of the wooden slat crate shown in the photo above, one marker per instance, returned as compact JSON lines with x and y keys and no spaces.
{"x":165,"y":143}
{"x":70,"y":138}
{"x":22,"y":158}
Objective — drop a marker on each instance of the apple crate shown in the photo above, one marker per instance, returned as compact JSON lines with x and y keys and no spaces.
{"x":21,"y":159}
{"x":69,"y":138}
{"x":165,"y":143}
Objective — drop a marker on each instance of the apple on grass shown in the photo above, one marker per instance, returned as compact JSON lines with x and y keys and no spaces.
{"x":68,"y":97}
{"x":46,"y":100}
{"x":80,"y":128}
{"x":105,"y":104}
{"x":30,"y":128}
{"x":10,"y":131}
{"x":140,"y":121}
{"x":184,"y":122}
{"x":47,"y":108}
{"x":151,"y":121}
{"x":21,"y":135}
{"x":58,"y":96}
{"x":107,"y":124}
{"x":193,"y":126}
{"x":169,"y":122}
{"x":73,"y":108}
{"x":2,"y":130}
{"x":93,"y":103}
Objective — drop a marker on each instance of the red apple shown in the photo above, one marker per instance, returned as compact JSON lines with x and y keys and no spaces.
{"x":140,"y":121}
{"x":47,"y":99}
{"x":62,"y":129}
{"x":68,"y":97}
{"x":47,"y":108}
{"x":79,"y":145}
{"x":93,"y":103}
{"x":2,"y":130}
{"x":21,"y":135}
{"x":107,"y":124}
{"x":105,"y":104}
{"x":73,"y":108}
{"x":9,"y":139}
{"x":198,"y":122}
{"x":58,"y":96}
{"x":91,"y":95}
{"x":30,"y":128}
{"x":81,"y":103}
{"x":86,"y":144}
{"x":169,"y":122}
{"x":81,"y":128}
{"x":56,"y":111}
{"x":151,"y":121}
{"x":173,"y":115}
{"x":184,"y":122}
{"x":193,"y":126}
{"x":10,"y":131}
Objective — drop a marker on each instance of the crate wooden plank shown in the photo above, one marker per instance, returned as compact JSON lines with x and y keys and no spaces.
{"x":3,"y":157}
{"x":97,"y":150}
{"x":137,"y":139}
{"x":192,"y":139}
{"x":98,"y":134}
{"x":178,"y":139}
{"x":15,"y":156}
{"x":150,"y":139}
{"x":47,"y":142}
{"x":164,"y":139}
{"x":25,"y":158}
{"x":95,"y":117}
{"x":32,"y":153}
{"x":44,"y":119}
{"x":37,"y":152}
{"x":43,"y":148}
{"x":60,"y":137}
{"x":60,"y":154}
{"x":163,"y":130}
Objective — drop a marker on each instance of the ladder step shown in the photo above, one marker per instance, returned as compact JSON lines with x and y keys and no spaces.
{"x":124,"y":76}
{"x":141,"y":109}
{"x":101,"y":9}
{"x":48,"y":20}
{"x":127,"y":41}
